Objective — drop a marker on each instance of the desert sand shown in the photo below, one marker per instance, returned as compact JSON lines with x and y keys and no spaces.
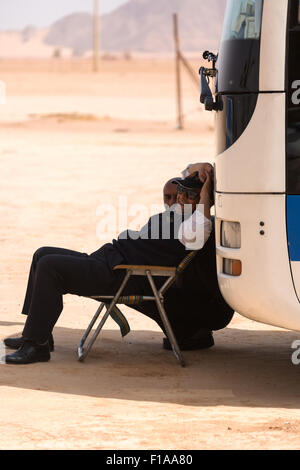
{"x":71,"y":140}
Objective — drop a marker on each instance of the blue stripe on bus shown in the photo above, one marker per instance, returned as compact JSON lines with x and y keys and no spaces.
{"x":293,"y":226}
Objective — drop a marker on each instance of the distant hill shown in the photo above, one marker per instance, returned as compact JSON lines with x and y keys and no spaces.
{"x":145,"y":26}
{"x":139,"y":25}
{"x":28,"y":44}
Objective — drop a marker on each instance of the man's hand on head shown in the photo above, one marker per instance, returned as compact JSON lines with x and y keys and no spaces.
{"x":200,"y":169}
{"x":207,"y":191}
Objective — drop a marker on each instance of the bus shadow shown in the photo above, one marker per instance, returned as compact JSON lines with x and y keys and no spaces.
{"x":245,"y":368}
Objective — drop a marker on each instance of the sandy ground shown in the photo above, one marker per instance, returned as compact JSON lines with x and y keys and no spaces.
{"x":57,"y":168}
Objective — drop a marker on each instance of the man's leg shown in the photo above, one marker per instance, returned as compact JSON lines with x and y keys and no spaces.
{"x":39,"y":254}
{"x":193,"y":316}
{"x":16,"y":342}
{"x":55,"y":276}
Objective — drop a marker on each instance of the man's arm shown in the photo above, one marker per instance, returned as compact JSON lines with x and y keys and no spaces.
{"x":199,"y":168}
{"x":195,"y":231}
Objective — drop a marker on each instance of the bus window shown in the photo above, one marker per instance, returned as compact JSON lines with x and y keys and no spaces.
{"x":294,"y":15}
{"x":293,"y":99}
{"x":239,"y":55}
{"x":243,"y":20}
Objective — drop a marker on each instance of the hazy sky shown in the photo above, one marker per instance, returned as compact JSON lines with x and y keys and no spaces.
{"x":16,"y":14}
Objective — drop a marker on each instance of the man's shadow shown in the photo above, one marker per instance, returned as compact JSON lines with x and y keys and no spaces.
{"x":244,"y":368}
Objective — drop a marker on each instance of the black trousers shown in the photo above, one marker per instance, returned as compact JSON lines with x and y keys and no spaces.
{"x":55,"y":272}
{"x":189,"y":312}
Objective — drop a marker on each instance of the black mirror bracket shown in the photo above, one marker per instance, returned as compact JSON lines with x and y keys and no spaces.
{"x":206,"y":96}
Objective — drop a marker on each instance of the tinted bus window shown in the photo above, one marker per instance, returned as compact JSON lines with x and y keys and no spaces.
{"x":294,"y":14}
{"x":293,"y":99}
{"x":238,"y":62}
{"x":234,"y":118}
{"x":243,"y":20}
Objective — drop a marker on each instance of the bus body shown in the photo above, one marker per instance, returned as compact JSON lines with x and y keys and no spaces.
{"x":257,"y":169}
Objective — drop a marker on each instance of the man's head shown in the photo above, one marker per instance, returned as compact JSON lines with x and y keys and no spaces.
{"x":170,"y":193}
{"x":188,"y":191}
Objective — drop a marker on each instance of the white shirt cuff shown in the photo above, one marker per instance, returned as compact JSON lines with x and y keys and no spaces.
{"x":185,"y":173}
{"x":195,"y":231}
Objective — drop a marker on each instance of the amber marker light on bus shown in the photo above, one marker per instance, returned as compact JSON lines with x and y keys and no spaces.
{"x":232,"y":267}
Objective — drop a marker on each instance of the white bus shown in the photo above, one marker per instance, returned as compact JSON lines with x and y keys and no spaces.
{"x":256,"y":98}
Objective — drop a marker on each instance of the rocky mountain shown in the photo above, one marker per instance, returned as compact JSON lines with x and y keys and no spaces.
{"x":145,"y":26}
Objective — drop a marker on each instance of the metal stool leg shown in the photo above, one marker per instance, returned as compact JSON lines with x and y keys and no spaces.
{"x":83,"y":352}
{"x":165,"y":321}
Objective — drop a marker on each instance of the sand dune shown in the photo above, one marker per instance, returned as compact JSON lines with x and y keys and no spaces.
{"x":12,"y":45}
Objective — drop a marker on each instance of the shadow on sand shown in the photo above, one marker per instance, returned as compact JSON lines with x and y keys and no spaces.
{"x":245,"y":368}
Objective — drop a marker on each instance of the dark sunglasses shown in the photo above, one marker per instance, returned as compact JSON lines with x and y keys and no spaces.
{"x":189,"y":194}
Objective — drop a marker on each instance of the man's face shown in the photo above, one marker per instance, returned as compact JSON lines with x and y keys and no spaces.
{"x":170,"y":194}
{"x":188,"y":196}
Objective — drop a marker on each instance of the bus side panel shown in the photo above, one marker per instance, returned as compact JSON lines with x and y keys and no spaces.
{"x":264,"y":292}
{"x":255,"y":163}
{"x":272,"y":52}
{"x":293,"y":230}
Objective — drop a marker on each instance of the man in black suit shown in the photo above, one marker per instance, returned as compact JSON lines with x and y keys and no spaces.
{"x":56,"y":271}
{"x":195,"y":305}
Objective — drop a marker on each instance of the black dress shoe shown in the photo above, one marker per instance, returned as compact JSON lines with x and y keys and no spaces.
{"x":16,"y":343}
{"x":28,"y":353}
{"x":203,"y":339}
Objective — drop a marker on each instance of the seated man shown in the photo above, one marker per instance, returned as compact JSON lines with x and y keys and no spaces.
{"x":198,"y":290}
{"x":55,"y":272}
{"x":194,"y":305}
{"x":169,"y":198}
